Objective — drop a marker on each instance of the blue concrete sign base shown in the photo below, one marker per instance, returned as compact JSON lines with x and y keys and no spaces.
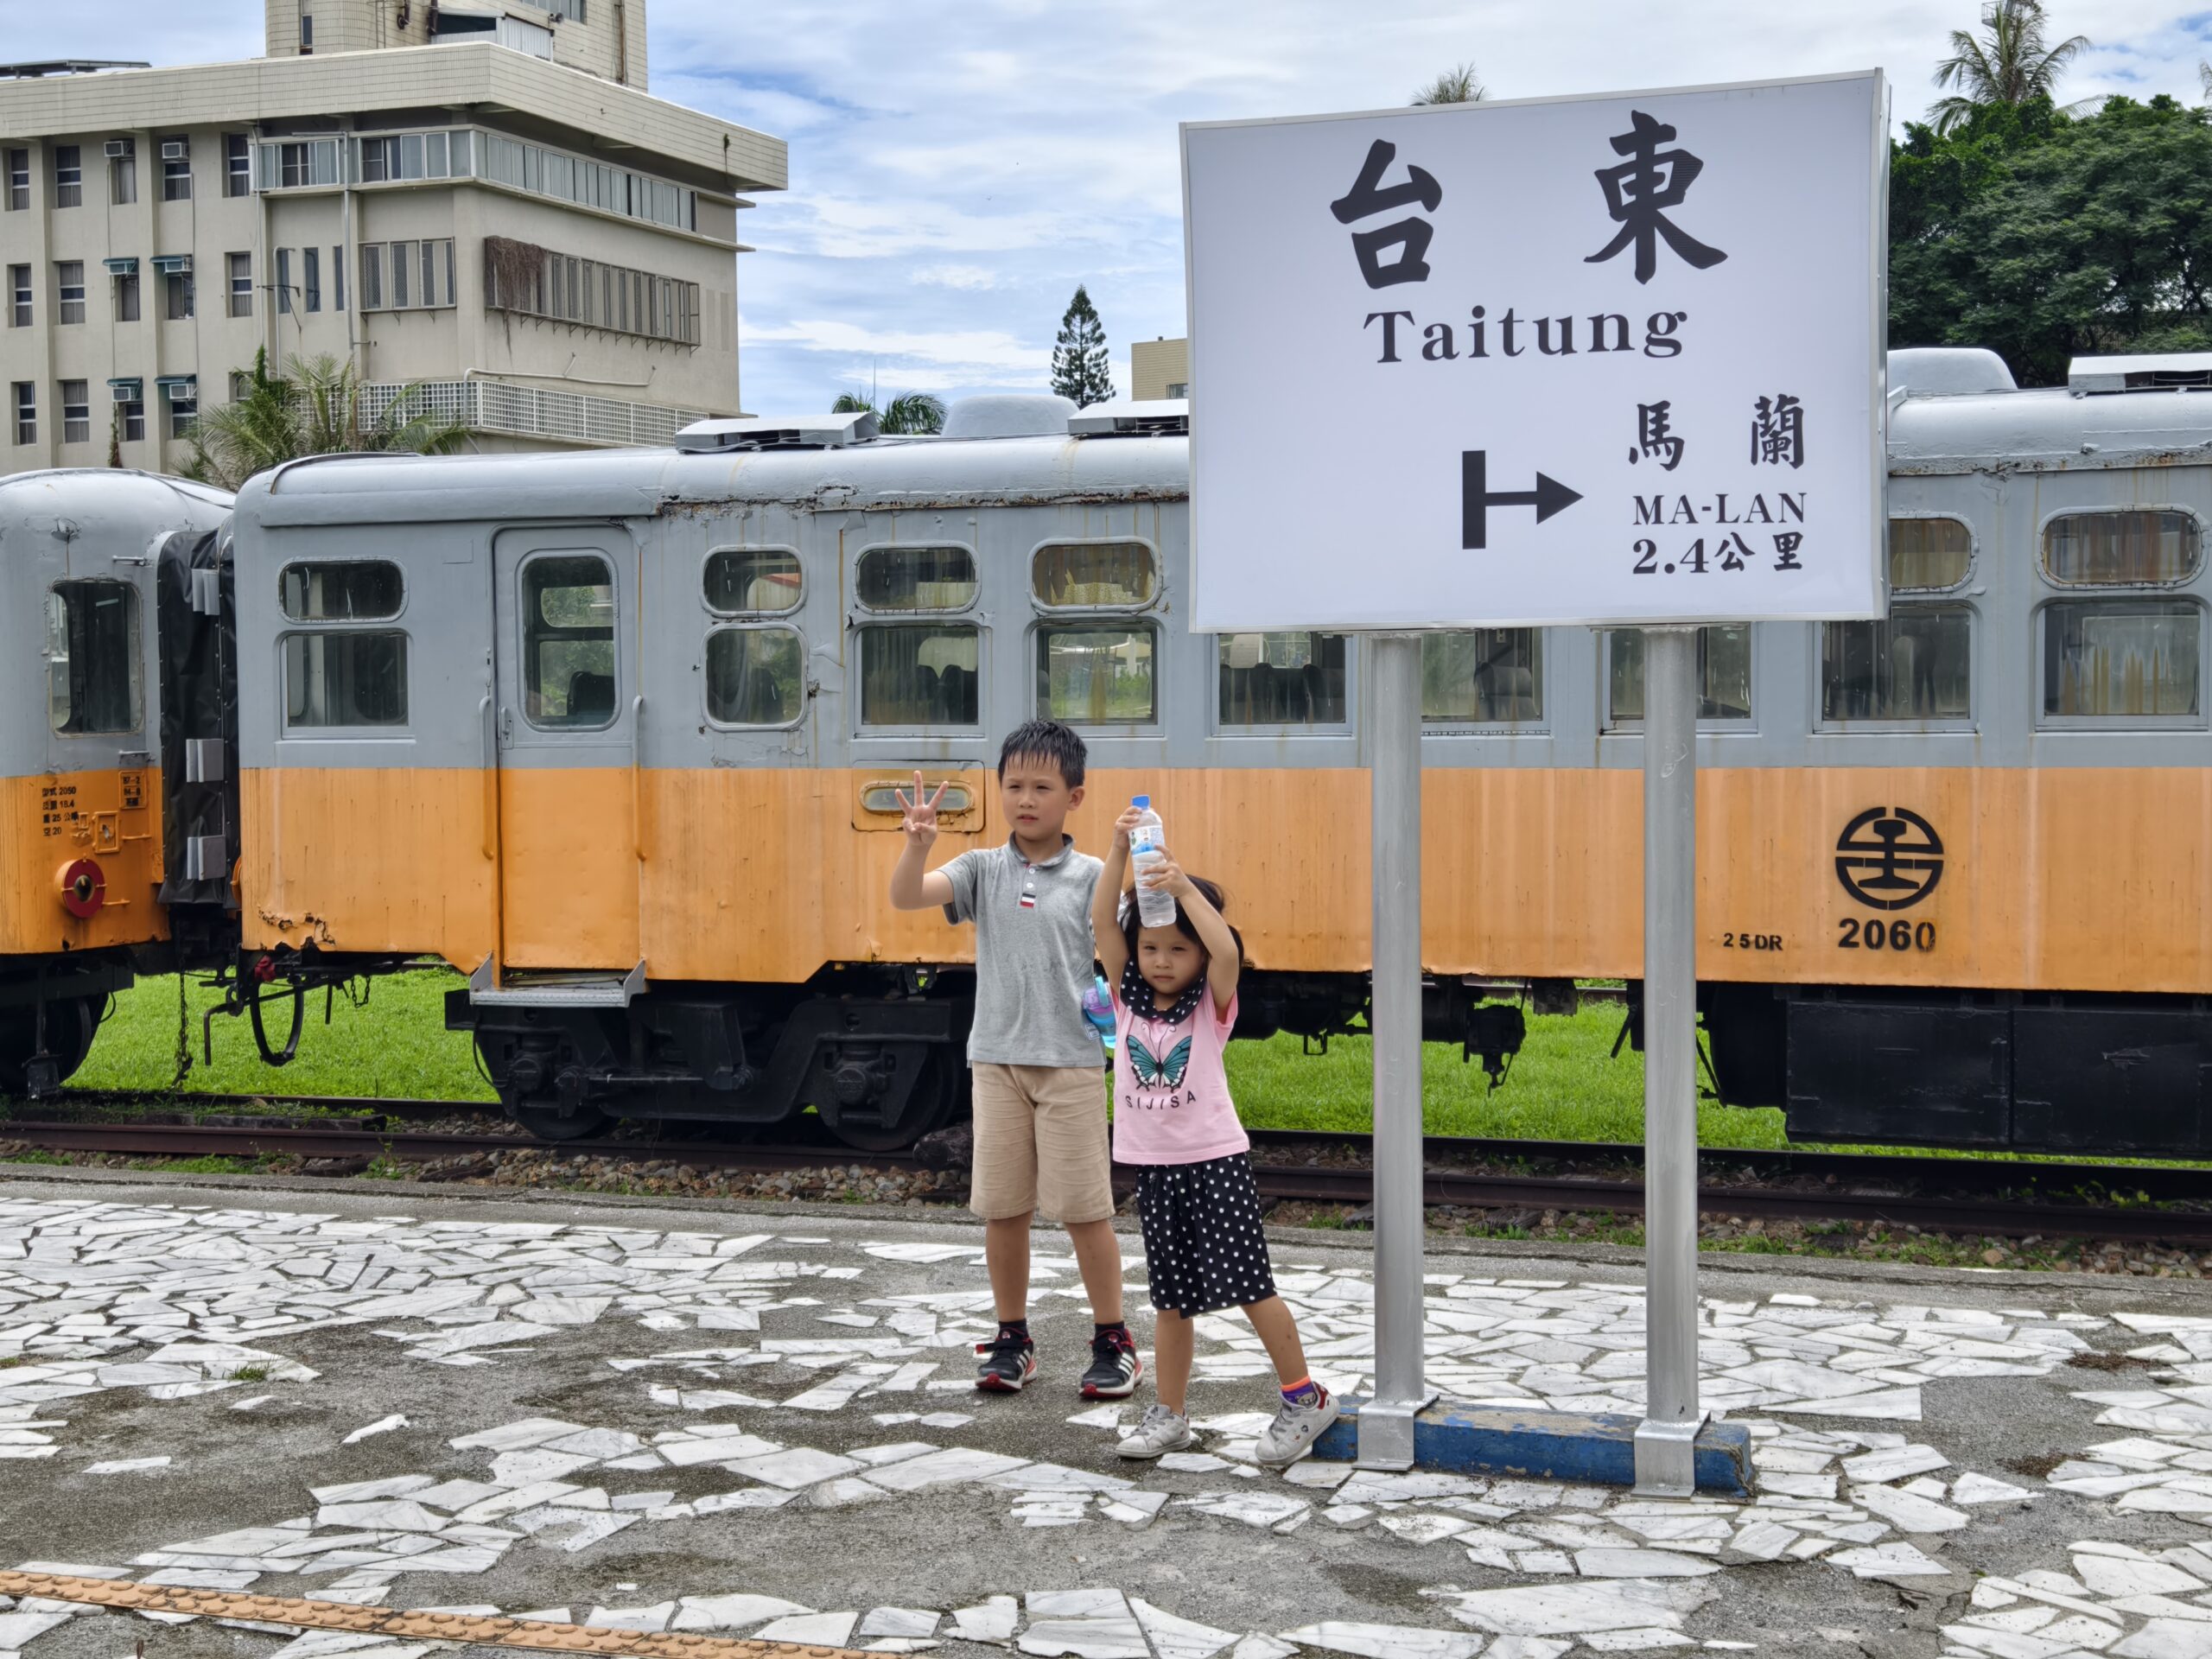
{"x":1598,"y":1448}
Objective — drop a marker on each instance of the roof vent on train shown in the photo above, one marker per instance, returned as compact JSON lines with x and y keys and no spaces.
{"x":2154,"y":371}
{"x":1948,"y":372}
{"x":1009,"y":415}
{"x":1127,"y":417}
{"x":760,"y":432}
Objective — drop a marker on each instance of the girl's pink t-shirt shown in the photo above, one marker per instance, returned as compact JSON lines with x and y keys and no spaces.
{"x":1171,"y":1090}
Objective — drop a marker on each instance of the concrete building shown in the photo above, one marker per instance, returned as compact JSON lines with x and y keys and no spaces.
{"x":1160,"y":368}
{"x":496,"y":211}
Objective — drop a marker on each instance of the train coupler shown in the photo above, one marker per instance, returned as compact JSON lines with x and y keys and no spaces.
{"x":1494,"y":1034}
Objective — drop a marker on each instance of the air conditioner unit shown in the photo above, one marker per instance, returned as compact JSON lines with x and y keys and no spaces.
{"x":120,"y":150}
{"x":124,"y":391}
{"x":176,"y":150}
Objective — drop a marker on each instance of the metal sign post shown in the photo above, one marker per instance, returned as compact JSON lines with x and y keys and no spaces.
{"x":1665,"y":1441}
{"x":1609,"y":362}
{"x":1385,"y":1419}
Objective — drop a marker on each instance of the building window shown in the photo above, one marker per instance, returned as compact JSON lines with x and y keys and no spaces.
{"x":916,"y":579}
{"x":372,"y":276}
{"x":2121,"y":660}
{"x":122,"y":176}
{"x":345,"y":679}
{"x":238,"y":165}
{"x":241,"y":270}
{"x":177,"y":296}
{"x":1483,"y":677}
{"x":337,"y":278}
{"x":95,"y":669}
{"x":126,"y":296}
{"x":1724,"y":673}
{"x":184,"y":413}
{"x":407,"y":276}
{"x":306,"y":35}
{"x":531,"y":281}
{"x":400,"y":273}
{"x":918,"y":674}
{"x":589,"y":183}
{"x":349,"y":590}
{"x":755,"y":677}
{"x":311,"y":276}
{"x":26,"y":412}
{"x":2140,"y":547}
{"x":69,"y":290}
{"x":69,"y":175}
{"x":131,"y":411}
{"x":240,"y":382}
{"x":19,"y":180}
{"x":299,"y":165}
{"x":1283,"y":679}
{"x":568,"y":641}
{"x":741,"y":580}
{"x":176,"y":168}
{"x":1094,"y":576}
{"x":76,"y":412}
{"x":19,"y":296}
{"x":283,"y":282}
{"x":1913,"y":665}
{"x":572,"y":10}
{"x":1097,"y":673}
{"x":1179,"y":388}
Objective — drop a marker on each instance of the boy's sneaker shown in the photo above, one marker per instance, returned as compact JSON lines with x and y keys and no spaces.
{"x":1004,"y":1364}
{"x":1295,"y":1428}
{"x":1161,"y":1432}
{"x":1114,"y":1367}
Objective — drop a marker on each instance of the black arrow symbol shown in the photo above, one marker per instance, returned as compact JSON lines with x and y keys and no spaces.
{"x":1477,"y":497}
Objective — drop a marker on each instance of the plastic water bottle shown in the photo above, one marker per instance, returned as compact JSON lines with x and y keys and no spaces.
{"x":1148,"y":842}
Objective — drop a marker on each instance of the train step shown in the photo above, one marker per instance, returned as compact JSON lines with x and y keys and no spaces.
{"x":526,"y":989}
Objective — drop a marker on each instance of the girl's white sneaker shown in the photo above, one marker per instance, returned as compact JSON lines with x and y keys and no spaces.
{"x":1161,"y":1432}
{"x":1295,"y":1428}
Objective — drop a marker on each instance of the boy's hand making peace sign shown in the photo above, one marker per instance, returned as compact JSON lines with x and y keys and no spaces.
{"x":920,"y":822}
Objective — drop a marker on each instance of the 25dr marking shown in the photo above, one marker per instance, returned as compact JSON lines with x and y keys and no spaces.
{"x":1750,"y":941}
{"x":1871,"y":935}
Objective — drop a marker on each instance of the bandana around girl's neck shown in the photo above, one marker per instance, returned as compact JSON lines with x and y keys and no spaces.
{"x":1137,"y":996}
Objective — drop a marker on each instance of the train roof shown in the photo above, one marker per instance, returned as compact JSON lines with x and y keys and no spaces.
{"x":99,"y":501}
{"x":1952,"y":411}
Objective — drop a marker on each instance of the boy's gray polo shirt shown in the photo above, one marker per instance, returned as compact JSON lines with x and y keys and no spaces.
{"x":1033,"y":953}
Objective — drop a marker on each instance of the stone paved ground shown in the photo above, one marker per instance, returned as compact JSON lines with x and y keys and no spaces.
{"x":754,"y":1423}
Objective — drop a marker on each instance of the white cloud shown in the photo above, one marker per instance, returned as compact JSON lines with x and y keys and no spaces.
{"x":968,"y":276}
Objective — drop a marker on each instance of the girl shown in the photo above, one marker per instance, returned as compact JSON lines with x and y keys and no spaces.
{"x":1174,"y":1004}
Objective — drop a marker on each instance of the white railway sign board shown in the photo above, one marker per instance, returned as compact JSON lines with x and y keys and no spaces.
{"x":1612,"y":360}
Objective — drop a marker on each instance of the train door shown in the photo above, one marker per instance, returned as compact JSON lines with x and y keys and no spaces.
{"x":568,"y":721}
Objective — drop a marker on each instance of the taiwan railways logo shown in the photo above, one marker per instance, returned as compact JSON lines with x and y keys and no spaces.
{"x":1888,"y":858}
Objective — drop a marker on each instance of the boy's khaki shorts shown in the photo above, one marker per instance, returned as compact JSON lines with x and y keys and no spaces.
{"x":1041,"y":1143}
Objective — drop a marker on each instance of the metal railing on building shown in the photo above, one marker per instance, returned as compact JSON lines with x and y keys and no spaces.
{"x":513,"y":410}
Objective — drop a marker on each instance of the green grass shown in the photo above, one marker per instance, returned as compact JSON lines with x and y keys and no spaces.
{"x":397,"y":1047}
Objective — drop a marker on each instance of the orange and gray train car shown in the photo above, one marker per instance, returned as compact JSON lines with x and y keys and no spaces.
{"x":618,"y":735}
{"x":96,"y":566}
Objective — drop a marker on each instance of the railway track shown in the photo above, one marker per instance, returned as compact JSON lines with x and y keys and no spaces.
{"x":1954,"y":1195}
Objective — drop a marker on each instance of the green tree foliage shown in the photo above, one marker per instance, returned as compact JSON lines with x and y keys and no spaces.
{"x":2009,"y":62}
{"x":1457,"y":85}
{"x":1081,"y":372}
{"x":314,"y":409}
{"x":909,"y":412}
{"x":2044,"y":237}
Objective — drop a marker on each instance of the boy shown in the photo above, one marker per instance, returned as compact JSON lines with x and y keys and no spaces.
{"x":1040,"y":1112}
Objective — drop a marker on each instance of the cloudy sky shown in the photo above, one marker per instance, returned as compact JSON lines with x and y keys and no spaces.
{"x":957,"y":168}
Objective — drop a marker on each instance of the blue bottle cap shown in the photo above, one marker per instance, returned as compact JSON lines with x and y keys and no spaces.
{"x":1140,"y":800}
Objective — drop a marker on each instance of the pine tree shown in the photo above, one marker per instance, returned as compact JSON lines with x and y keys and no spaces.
{"x":1081,"y":373}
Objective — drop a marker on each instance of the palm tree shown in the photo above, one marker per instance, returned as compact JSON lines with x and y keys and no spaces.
{"x":315,"y":410}
{"x":1455,"y":86}
{"x":2007,"y":63}
{"x":908,"y":413}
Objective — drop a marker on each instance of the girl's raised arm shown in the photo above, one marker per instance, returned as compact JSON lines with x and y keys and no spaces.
{"x":1106,"y":906}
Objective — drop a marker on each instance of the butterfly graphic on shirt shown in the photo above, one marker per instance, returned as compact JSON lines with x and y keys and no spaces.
{"x":1151,"y":1071}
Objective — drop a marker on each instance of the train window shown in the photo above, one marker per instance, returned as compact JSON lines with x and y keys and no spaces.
{"x":1097,"y":674}
{"x":755,"y":677}
{"x":1283,"y":679}
{"x":1486,"y":676}
{"x":916,"y":579}
{"x":95,"y":674}
{"x":1094,"y":576}
{"x":919,"y":674}
{"x":345,"y":679}
{"x":1927,"y":555}
{"x":567,"y":642}
{"x":360,"y":590}
{"x":1913,"y":666}
{"x":741,"y":579}
{"x":2137,"y":546}
{"x":2118,"y":659}
{"x":1724,"y":673}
